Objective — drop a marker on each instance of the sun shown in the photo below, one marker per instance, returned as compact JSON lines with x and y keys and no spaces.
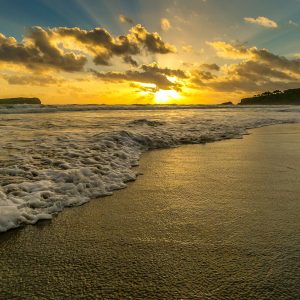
{"x":166,"y":96}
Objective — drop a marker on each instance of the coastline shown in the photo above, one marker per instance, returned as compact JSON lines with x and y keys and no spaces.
{"x":204,"y":221}
{"x":63,"y":108}
{"x":95,"y":158}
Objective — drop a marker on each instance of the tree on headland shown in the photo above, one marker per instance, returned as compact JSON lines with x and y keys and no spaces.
{"x":277,"y":97}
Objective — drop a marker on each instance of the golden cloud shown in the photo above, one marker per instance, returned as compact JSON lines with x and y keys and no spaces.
{"x":165,"y":24}
{"x":262,"y":21}
{"x":44,"y":48}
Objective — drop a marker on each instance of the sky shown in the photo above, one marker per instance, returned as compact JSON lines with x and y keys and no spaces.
{"x":148,"y":52}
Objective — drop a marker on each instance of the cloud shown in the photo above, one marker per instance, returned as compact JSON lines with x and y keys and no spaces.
{"x":187,"y":48}
{"x":159,"y":80}
{"x":36,"y":52}
{"x":241,"y":52}
{"x":128,"y":59}
{"x":58,"y":48}
{"x":100,"y":43}
{"x":203,"y":75}
{"x":124,"y":19}
{"x":240,"y":85}
{"x":227,"y":50}
{"x":262,"y":21}
{"x":166,"y":71}
{"x":104,"y":46}
{"x":243,"y":83}
{"x":165,"y":24}
{"x":276,"y":61}
{"x":293,"y":23}
{"x":259,"y":70}
{"x":233,"y":85}
{"x":38,"y":80}
{"x":211,"y":67}
{"x":148,"y":74}
{"x":152,"y":41}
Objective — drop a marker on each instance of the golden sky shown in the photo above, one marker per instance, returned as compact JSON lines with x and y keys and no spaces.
{"x":136,"y":53}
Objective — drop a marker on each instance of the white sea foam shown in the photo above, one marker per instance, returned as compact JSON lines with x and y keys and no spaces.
{"x":57,"y":160}
{"x":36,"y":108}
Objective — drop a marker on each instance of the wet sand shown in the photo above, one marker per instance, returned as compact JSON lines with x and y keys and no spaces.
{"x":215,"y":221}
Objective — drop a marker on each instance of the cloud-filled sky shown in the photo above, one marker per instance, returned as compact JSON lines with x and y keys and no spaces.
{"x":137,"y":51}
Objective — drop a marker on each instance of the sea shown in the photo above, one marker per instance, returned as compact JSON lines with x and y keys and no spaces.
{"x":53,"y":157}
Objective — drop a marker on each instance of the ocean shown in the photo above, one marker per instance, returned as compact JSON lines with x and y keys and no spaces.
{"x":52,"y":157}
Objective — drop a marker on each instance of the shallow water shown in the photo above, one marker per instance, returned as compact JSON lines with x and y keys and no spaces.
{"x":50,"y":161}
{"x":215,"y":221}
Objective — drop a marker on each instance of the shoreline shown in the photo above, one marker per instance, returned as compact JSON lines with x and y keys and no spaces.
{"x":203,"y":221}
{"x":240,"y":135}
{"x":63,"y":108}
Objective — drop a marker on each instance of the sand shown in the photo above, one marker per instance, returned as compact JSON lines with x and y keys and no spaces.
{"x":215,"y":221}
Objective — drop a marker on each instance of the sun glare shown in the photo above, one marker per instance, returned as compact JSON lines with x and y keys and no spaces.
{"x":166,"y":96}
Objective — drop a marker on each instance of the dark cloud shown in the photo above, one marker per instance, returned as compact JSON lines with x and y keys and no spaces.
{"x":140,"y":88}
{"x":38,"y":53}
{"x":128,"y":59}
{"x":245,"y":85}
{"x":242,"y":84}
{"x":100,"y":43}
{"x":104,"y":46}
{"x":152,"y":41}
{"x":166,"y":71}
{"x":257,"y":71}
{"x":241,"y":51}
{"x":244,"y":80}
{"x":102,"y":59}
{"x":43,"y":48}
{"x":149,"y":75}
{"x":96,"y":37}
{"x":276,"y":61}
{"x":246,"y":77}
{"x":203,"y":75}
{"x":211,"y":67}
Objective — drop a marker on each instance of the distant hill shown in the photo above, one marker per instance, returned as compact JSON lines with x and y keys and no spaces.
{"x":288,"y":97}
{"x":8,"y":101}
{"x":227,"y":103}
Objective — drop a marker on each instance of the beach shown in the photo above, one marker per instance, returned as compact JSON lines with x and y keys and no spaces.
{"x":149,"y":150}
{"x":212,"y":221}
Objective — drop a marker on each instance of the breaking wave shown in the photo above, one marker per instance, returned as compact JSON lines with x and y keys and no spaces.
{"x":55,"y":161}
